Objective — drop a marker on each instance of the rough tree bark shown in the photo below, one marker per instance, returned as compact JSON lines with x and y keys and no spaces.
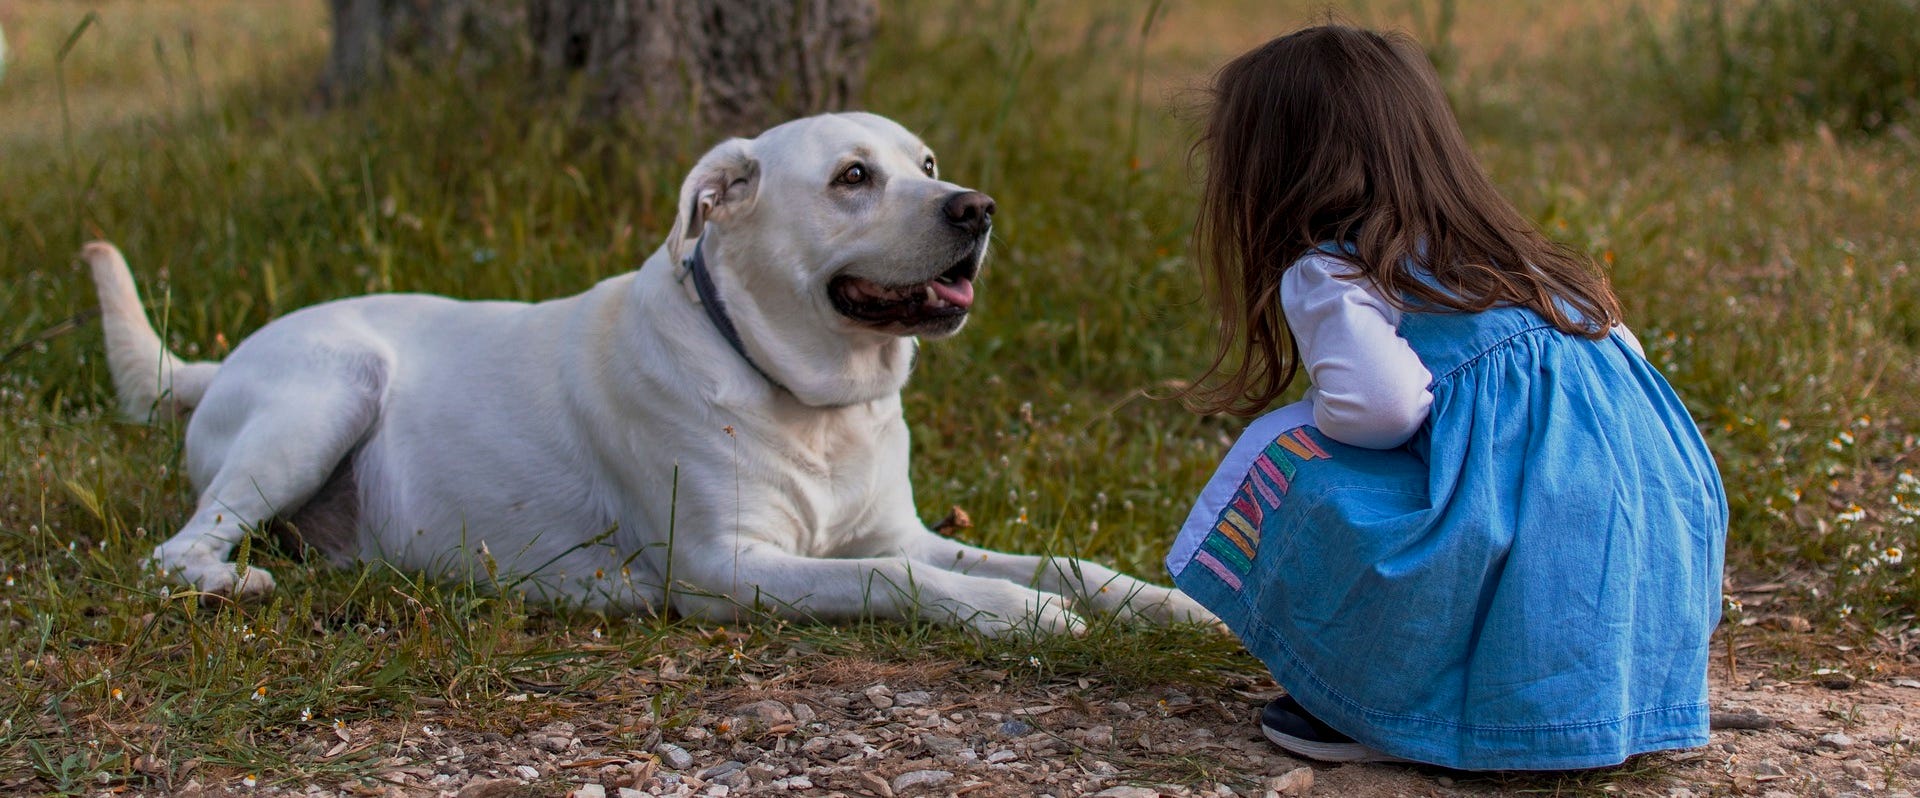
{"x":369,"y":36}
{"x":728,"y":66}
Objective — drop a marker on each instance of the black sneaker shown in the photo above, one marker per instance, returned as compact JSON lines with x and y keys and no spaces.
{"x":1288,"y":725}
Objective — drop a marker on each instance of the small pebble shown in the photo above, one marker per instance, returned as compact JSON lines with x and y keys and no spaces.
{"x":588,"y":791}
{"x":766,"y":713}
{"x":1015,"y":728}
{"x":731,"y":773}
{"x":1298,"y":781}
{"x":920,"y":778}
{"x":880,"y":696}
{"x":942,"y":745}
{"x":674,"y":756}
{"x":526,"y":772}
{"x":1836,"y":740}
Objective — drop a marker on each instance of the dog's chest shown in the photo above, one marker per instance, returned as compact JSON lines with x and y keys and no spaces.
{"x":839,"y":471}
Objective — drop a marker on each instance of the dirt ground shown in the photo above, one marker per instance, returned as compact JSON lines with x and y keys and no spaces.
{"x":857,"y":728}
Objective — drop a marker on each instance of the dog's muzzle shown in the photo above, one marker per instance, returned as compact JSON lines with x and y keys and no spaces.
{"x":935,"y":306}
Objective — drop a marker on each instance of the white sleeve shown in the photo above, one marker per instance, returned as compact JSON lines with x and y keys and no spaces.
{"x":1628,"y":336}
{"x":1369,"y":388}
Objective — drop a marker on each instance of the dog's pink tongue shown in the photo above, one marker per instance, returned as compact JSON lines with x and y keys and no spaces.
{"x":958,"y":292}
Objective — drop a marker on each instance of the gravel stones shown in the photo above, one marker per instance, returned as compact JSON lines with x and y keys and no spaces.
{"x":794,"y":733}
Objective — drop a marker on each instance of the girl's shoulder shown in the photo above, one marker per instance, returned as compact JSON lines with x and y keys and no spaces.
{"x":1321,"y":284}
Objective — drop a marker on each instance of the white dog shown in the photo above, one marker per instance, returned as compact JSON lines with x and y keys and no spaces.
{"x":716,"y":431}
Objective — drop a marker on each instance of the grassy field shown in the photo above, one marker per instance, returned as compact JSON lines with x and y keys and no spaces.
{"x":1775,"y":283}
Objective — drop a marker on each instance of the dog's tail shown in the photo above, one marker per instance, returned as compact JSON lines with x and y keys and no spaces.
{"x":152,"y":382}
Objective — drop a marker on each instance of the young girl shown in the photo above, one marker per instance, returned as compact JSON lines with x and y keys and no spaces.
{"x":1489,"y":537}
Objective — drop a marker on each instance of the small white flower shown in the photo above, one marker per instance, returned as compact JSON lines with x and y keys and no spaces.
{"x":250,"y":781}
{"x":1854,"y":514}
{"x":306,"y":714}
{"x":1892,"y":555}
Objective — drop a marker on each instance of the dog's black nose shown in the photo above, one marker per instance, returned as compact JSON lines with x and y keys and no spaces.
{"x":971,"y":211}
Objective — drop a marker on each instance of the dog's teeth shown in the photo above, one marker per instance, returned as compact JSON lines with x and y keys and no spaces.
{"x":931,"y":296}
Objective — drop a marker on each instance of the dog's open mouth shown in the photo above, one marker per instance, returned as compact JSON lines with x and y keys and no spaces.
{"x":945,"y":298}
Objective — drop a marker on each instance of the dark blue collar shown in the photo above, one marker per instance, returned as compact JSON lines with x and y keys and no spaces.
{"x":696,"y":265}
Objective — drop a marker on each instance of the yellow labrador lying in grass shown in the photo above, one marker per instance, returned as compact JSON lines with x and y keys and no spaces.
{"x":725,"y":421}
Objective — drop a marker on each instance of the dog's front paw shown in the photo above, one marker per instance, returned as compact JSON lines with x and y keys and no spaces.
{"x":226,"y":579}
{"x":1035,"y":614}
{"x":1161,"y":605}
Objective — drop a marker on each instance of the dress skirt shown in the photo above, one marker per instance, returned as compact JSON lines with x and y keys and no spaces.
{"x":1529,"y":583}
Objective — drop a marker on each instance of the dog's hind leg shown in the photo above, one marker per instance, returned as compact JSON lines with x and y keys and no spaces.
{"x":271,"y":445}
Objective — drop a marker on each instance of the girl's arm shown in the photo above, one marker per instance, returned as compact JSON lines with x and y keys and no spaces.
{"x":1369,"y":388}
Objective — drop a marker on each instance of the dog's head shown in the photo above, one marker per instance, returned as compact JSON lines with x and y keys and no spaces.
{"x":838,"y":222}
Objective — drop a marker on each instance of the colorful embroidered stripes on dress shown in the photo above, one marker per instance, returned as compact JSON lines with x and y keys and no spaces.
{"x":1228,"y":550}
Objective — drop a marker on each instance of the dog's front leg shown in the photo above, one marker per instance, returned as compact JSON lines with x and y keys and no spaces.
{"x":721,"y":583}
{"x":1089,"y":583}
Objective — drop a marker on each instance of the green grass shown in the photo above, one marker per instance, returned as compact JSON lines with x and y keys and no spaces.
{"x":1766,"y":69}
{"x":1774,"y":283}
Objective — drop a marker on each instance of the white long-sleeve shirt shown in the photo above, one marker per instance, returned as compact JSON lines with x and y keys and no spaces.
{"x":1368,"y":388}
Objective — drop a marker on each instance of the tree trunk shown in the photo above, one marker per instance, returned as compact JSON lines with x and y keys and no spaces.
{"x":730,"y":67}
{"x":722,"y":66}
{"x":371,"y":36}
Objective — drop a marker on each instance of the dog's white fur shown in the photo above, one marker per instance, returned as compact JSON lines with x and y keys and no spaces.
{"x":600,"y":448}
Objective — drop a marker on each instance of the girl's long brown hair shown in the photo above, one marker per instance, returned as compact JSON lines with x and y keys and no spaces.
{"x":1337,"y":134}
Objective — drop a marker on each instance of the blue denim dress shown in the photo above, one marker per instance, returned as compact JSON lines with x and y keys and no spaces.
{"x":1529,"y":583}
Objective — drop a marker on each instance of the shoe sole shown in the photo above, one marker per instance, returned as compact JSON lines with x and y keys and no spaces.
{"x":1327,"y":752}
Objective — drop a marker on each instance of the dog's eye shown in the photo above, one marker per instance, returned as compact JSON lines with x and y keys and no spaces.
{"x":852,"y":176}
{"x":927,"y":166}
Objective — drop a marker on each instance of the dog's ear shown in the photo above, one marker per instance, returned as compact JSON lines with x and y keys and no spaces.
{"x":723,"y":183}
